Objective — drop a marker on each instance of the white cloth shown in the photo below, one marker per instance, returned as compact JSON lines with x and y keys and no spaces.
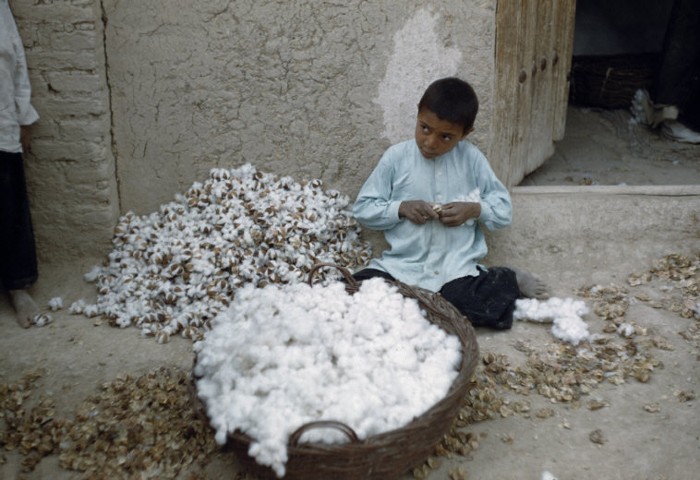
{"x":15,"y":91}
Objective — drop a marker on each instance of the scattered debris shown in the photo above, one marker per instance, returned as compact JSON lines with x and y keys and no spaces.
{"x":459,"y":473}
{"x":136,"y":423}
{"x":685,"y":395}
{"x":144,"y":426}
{"x":544,"y":413}
{"x":596,"y":404}
{"x":596,"y":436}
{"x":507,"y":438}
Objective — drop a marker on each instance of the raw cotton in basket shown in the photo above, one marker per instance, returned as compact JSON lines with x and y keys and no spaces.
{"x":283,"y":356}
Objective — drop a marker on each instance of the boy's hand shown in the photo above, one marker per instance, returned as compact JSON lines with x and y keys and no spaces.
{"x":456,"y":213}
{"x":417,"y":211}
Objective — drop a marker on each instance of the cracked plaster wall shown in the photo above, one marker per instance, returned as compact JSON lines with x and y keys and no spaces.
{"x":140,"y":99}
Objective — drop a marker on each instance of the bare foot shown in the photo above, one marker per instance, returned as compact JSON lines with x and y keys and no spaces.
{"x":529,"y":285}
{"x":25,"y":307}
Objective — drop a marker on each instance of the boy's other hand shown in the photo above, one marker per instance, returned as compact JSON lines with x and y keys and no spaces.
{"x":417,"y":211}
{"x":456,"y":213}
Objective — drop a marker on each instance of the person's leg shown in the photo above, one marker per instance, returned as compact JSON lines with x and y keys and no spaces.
{"x":487,"y":300}
{"x":18,"y":264}
{"x":25,"y":307}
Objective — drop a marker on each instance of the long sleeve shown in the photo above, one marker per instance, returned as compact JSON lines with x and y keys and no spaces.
{"x":26,"y":114}
{"x":374,"y":207}
{"x":496,"y":205}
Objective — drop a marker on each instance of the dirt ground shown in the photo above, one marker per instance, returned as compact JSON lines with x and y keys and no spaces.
{"x":605,"y":147}
{"x":636,"y":418}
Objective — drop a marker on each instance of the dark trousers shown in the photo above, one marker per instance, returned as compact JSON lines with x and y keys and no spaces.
{"x":18,"y":265}
{"x":487,"y":300}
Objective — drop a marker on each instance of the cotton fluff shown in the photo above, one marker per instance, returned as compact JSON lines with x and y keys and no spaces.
{"x":473,"y":197}
{"x":285,"y":355}
{"x":56,"y":303}
{"x":625,"y":329}
{"x":564,"y":314}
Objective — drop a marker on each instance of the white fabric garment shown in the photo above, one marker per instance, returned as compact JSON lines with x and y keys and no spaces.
{"x":15,"y":91}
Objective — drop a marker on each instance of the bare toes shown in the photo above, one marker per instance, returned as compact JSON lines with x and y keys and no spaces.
{"x":23,"y":321}
{"x":530,"y":286}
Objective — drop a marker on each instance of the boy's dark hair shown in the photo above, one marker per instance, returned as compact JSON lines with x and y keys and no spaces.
{"x":451,"y":99}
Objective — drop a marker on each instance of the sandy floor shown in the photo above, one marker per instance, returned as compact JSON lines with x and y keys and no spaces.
{"x":641,"y":421}
{"x":603,"y":147}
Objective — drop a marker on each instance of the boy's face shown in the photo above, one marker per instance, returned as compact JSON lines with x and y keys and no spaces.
{"x":435,"y":136}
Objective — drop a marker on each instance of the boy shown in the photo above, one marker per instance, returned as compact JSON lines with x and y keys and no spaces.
{"x":430,"y":196}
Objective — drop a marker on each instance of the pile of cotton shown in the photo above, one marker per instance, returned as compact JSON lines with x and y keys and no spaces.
{"x":285,"y":355}
{"x":172,"y":271}
{"x":565,"y":315}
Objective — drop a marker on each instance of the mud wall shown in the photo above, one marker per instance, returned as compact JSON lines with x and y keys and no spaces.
{"x":303,"y":88}
{"x":71,"y":170}
{"x":140,"y":99}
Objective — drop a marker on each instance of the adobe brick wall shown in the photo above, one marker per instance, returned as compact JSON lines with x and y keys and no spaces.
{"x":71,"y":170}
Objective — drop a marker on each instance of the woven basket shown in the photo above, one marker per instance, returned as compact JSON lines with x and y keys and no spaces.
{"x":387,"y":455}
{"x":610,"y":81}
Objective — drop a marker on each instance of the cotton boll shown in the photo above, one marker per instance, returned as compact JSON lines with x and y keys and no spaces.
{"x":198,"y":239}
{"x":221,"y":435}
{"x":41,"y":319}
{"x":77,"y":307}
{"x":55,"y":303}
{"x":91,"y":311}
{"x":92,"y":275}
{"x":626,"y":330}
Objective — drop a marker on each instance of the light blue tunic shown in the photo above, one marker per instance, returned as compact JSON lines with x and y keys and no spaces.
{"x":431,"y":255}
